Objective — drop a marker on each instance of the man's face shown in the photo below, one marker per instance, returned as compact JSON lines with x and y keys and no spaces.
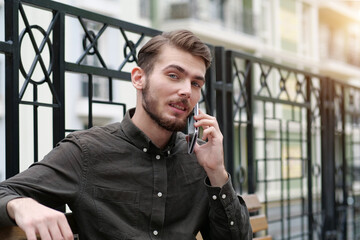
{"x":173,"y":88}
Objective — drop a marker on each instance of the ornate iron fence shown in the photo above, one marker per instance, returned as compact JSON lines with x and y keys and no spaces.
{"x":290,"y":136}
{"x":88,"y":63}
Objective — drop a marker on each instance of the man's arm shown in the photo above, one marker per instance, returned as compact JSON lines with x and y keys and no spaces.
{"x":228,"y":214}
{"x":33,"y":218}
{"x":52,"y":182}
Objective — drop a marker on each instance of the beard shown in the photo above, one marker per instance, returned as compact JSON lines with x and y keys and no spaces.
{"x":149,"y":104}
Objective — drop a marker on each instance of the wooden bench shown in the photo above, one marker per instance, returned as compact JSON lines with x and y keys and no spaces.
{"x":258,"y":221}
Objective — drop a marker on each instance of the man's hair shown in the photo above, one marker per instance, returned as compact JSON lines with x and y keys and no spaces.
{"x":181,"y":39}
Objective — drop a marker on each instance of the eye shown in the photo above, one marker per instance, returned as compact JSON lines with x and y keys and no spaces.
{"x":173,"y":76}
{"x":196,"y":84}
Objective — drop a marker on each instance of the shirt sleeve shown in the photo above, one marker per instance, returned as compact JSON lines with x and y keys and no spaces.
{"x":53,"y":182}
{"x":228,"y":214}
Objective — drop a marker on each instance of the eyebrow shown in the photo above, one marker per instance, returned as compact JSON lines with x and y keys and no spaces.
{"x":182,"y":70}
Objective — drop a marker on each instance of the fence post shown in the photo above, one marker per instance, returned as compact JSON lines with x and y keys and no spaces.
{"x":328,"y":159}
{"x":229,"y":113}
{"x":309,"y":118}
{"x":224,"y":103}
{"x":12,"y":88}
{"x":58,"y":79}
{"x":344,"y":163}
{"x":59,"y":82}
{"x":210,"y":91}
{"x":250,"y":129}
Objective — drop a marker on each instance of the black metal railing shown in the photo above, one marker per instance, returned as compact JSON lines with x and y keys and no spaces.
{"x":23,"y":89}
{"x":290,"y":136}
{"x":272,"y":117}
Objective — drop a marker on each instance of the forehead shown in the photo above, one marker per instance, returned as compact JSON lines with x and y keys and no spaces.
{"x":169,"y":55}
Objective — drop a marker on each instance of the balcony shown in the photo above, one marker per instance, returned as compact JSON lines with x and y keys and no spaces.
{"x":217,"y":22}
{"x":339,"y":37}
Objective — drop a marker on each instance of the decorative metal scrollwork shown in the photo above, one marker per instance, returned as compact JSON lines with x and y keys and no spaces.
{"x":263,"y":80}
{"x":315,"y":101}
{"x":84,"y":42}
{"x":38,"y":58}
{"x":132,"y":47}
{"x":316,"y":170}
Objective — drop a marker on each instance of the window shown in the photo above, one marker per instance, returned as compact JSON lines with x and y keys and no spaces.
{"x":306,"y":30}
{"x":85,"y":89}
{"x":288,"y":25}
{"x":145,"y":8}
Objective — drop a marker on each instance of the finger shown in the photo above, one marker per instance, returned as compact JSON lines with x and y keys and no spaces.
{"x":206,"y":118}
{"x":212,"y":134}
{"x":55,"y":232}
{"x":203,"y":115}
{"x":44,"y":232}
{"x":30,"y":234}
{"x":209,"y":133}
{"x":205,"y":123}
{"x":65,"y":229}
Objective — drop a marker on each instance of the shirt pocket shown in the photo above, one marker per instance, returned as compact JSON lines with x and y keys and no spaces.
{"x":117,"y":211}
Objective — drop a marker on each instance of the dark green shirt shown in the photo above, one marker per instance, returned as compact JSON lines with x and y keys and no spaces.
{"x":119,"y":185}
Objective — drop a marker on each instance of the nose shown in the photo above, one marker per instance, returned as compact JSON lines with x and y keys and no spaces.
{"x":185,"y":90}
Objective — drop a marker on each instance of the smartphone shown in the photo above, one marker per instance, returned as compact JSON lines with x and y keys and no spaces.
{"x":192,"y":130}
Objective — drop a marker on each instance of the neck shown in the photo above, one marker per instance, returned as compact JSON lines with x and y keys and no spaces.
{"x":158,"y":135}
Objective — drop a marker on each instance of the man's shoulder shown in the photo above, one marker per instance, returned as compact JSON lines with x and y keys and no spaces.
{"x":110,"y":128}
{"x":97,"y":132}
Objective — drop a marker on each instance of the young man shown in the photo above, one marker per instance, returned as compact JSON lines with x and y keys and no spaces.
{"x":135,"y":179}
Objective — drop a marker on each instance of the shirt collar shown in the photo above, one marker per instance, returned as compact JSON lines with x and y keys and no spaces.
{"x":140,"y":139}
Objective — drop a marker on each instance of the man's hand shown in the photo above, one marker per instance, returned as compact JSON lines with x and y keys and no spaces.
{"x":211,"y":154}
{"x":33,"y":218}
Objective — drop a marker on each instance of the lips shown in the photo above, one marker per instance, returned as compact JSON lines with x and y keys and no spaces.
{"x":178,"y":106}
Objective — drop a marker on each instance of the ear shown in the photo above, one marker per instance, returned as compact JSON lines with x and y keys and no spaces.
{"x":138,"y":78}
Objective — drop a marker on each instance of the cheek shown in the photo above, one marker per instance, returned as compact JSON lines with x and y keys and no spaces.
{"x":157,"y":90}
{"x":195,"y":96}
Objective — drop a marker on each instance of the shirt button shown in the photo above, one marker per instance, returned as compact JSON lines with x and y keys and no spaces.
{"x":145,"y":149}
{"x":223,"y":196}
{"x":155,"y":232}
{"x":157,"y":157}
{"x":169,"y":152}
{"x":214,"y":197}
{"x":232,"y":223}
{"x":159,"y":194}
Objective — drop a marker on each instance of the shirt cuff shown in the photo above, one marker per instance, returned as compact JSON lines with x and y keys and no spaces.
{"x":5,"y":219}
{"x":220,"y":196}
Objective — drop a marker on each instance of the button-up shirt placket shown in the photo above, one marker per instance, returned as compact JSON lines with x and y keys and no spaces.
{"x":159,"y":196}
